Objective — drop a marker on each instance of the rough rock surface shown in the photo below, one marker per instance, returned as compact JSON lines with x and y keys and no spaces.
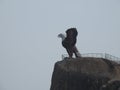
{"x":85,"y":74}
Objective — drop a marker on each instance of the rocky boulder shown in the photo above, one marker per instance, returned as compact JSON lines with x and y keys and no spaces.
{"x":85,"y":74}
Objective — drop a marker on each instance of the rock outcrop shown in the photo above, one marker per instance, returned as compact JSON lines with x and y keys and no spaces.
{"x":86,"y":74}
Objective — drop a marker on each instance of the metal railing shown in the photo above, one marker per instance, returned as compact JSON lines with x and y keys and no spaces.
{"x":98,"y":55}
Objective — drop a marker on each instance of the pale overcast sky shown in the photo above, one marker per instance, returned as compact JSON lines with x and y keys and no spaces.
{"x":29,"y":46}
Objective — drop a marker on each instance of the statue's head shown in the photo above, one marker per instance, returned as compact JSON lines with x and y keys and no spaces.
{"x":72,"y":32}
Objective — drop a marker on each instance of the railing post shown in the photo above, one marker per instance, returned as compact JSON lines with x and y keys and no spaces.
{"x":106,"y":56}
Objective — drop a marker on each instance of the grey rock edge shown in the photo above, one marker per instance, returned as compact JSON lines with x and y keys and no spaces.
{"x":86,"y":74}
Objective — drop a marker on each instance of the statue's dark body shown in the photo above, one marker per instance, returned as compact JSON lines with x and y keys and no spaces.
{"x":70,"y":41}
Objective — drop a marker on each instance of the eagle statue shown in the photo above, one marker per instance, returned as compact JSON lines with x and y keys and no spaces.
{"x":69,"y":40}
